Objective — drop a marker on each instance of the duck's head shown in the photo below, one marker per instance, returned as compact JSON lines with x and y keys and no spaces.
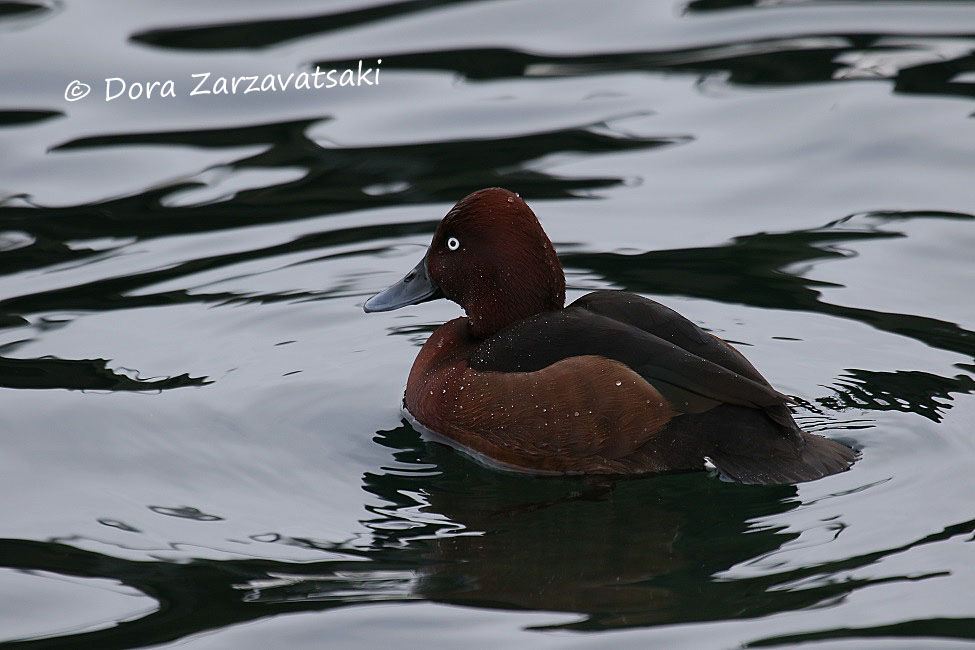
{"x":490,"y":256}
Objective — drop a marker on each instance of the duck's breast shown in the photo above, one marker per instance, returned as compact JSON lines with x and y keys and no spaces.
{"x":579,"y":414}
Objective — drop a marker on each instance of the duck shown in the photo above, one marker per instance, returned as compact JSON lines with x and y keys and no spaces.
{"x":612,"y":384}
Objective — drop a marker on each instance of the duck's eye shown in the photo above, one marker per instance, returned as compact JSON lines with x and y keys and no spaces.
{"x":453,"y":243}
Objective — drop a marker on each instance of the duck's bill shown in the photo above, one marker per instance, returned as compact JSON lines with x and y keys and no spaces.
{"x":415,"y":287}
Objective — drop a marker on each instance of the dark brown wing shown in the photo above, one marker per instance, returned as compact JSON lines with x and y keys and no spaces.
{"x":692,"y":370}
{"x":659,"y":320}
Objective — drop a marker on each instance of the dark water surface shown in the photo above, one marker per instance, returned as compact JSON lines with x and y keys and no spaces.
{"x":201,"y":442}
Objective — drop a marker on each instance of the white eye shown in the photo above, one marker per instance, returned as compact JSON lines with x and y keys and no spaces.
{"x":453,"y":243}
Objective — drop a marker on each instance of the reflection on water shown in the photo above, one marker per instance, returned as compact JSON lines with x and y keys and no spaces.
{"x":264,"y":33}
{"x":917,"y":64}
{"x":909,"y":391}
{"x":194,"y":411}
{"x":81,"y":374}
{"x":336,"y":181}
{"x":622,"y":553}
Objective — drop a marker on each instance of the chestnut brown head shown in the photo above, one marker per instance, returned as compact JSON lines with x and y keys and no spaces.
{"x":490,"y":256}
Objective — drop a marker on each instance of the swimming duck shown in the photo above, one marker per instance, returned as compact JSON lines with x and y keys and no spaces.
{"x":614,"y":383}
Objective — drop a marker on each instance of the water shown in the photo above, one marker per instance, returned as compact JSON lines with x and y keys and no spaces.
{"x":200,"y":428}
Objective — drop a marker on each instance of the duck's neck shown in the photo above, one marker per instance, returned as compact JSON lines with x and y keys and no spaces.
{"x":510,"y":300}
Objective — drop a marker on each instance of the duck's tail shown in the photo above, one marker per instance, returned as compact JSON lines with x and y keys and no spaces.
{"x":749,"y":447}
{"x":817,"y":458}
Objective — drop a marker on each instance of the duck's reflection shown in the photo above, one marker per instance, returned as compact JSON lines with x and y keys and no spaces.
{"x":623,"y":552}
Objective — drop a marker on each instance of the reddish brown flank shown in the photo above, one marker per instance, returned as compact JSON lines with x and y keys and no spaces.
{"x":612,"y":384}
{"x":583,"y":414}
